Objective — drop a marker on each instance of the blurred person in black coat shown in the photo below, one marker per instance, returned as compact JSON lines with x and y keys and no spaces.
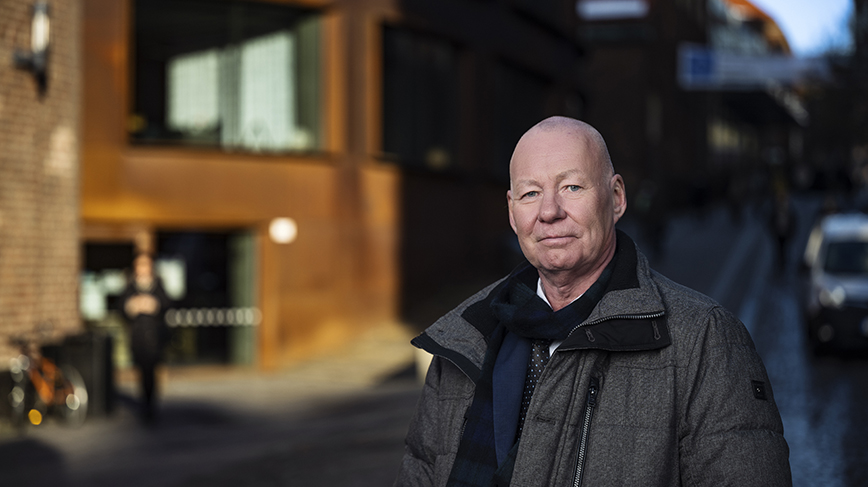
{"x":144,"y":305}
{"x":782,"y":223}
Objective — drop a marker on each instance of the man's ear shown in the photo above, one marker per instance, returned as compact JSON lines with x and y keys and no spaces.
{"x":509,"y":207}
{"x":619,"y":196}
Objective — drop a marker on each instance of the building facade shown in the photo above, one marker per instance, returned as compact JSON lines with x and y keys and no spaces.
{"x":39,"y":177}
{"x":680,"y":141}
{"x":304,"y":170}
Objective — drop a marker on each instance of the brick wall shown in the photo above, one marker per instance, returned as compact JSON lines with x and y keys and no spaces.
{"x":39,"y":170}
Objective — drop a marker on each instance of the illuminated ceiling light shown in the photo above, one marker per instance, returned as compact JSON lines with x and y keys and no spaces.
{"x":283,"y":230}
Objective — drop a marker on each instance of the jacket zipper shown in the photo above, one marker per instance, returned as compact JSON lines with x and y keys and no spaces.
{"x":646,"y":316}
{"x":590,"y":404}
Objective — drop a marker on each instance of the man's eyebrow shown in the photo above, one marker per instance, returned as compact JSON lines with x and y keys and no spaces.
{"x":559,"y":177}
{"x":525,"y":182}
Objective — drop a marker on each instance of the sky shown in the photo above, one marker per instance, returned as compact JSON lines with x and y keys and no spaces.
{"x":811,"y":26}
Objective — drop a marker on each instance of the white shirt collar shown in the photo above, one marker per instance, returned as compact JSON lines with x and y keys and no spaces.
{"x":542,"y":294}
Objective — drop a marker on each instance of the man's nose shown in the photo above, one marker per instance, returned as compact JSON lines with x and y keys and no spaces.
{"x":551,"y":209}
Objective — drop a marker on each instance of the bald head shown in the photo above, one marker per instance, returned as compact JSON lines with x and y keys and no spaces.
{"x":585,"y":137}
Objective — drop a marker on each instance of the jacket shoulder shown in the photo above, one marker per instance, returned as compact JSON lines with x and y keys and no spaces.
{"x":694,"y":317}
{"x":680,"y":296}
{"x":460,"y":335}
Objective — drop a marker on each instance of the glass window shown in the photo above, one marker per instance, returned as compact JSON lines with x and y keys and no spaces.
{"x":420,"y":99}
{"x":238,"y":75}
{"x":847,"y":258}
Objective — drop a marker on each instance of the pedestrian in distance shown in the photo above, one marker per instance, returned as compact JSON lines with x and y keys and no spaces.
{"x":584,"y":366}
{"x":144,"y":304}
{"x":782,"y":224}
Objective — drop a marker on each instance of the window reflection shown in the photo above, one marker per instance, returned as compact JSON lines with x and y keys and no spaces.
{"x":232,"y":74}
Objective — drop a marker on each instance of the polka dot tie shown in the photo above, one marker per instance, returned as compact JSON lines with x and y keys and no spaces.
{"x":539,"y":356}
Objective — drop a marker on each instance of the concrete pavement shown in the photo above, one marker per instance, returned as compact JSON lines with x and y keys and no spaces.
{"x":376,"y":356}
{"x":337,"y":420}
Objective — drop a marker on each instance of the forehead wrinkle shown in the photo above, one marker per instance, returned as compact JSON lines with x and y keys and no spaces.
{"x":525,"y":182}
{"x":566,"y":174}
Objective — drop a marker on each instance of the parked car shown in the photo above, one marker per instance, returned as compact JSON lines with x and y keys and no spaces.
{"x":837,"y":298}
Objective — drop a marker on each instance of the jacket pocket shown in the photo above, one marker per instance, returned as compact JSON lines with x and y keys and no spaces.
{"x":633,"y":438}
{"x":640,"y":395}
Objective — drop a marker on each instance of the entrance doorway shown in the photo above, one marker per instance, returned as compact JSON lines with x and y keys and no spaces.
{"x":211,"y":277}
{"x":219,"y":280}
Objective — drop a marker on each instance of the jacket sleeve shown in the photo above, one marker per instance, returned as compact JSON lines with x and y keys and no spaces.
{"x":731,"y":430}
{"x":432,"y":439}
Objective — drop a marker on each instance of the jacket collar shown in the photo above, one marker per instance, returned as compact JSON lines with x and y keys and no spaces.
{"x":629,"y":317}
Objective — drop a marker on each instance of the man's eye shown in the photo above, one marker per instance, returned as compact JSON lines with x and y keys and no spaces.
{"x":573,"y":188}
{"x":530,"y":194}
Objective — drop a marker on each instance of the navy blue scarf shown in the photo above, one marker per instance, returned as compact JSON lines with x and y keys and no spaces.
{"x":518,"y":307}
{"x":476,"y":461}
{"x":520,"y":311}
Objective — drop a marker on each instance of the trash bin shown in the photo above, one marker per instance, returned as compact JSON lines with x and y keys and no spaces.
{"x":91,"y":354}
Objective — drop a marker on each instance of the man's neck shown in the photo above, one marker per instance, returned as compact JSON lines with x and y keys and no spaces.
{"x":562,"y":288}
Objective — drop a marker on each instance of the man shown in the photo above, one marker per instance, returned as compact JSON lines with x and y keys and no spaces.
{"x":648,"y":382}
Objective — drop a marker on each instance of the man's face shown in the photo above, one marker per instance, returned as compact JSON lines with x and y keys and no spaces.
{"x":563,"y":202}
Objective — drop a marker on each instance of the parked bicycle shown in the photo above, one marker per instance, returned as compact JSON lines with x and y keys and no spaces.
{"x":41,"y":387}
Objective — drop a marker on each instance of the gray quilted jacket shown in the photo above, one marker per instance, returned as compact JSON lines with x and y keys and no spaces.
{"x":660,"y":386}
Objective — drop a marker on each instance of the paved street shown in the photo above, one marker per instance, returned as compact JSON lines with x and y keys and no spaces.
{"x":340,"y":421}
{"x":336,"y":421}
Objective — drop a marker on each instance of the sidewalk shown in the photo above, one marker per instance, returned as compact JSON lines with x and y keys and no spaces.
{"x":227,"y":426}
{"x":376,"y":356}
{"x":379,"y":355}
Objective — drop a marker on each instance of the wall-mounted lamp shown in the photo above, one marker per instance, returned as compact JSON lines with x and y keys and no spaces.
{"x":36,"y":61}
{"x":283,"y":230}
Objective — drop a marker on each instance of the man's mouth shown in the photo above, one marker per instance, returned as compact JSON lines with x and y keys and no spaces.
{"x":554,"y":239}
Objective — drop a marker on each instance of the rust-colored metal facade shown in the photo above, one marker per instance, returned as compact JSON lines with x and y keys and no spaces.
{"x":379,"y":238}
